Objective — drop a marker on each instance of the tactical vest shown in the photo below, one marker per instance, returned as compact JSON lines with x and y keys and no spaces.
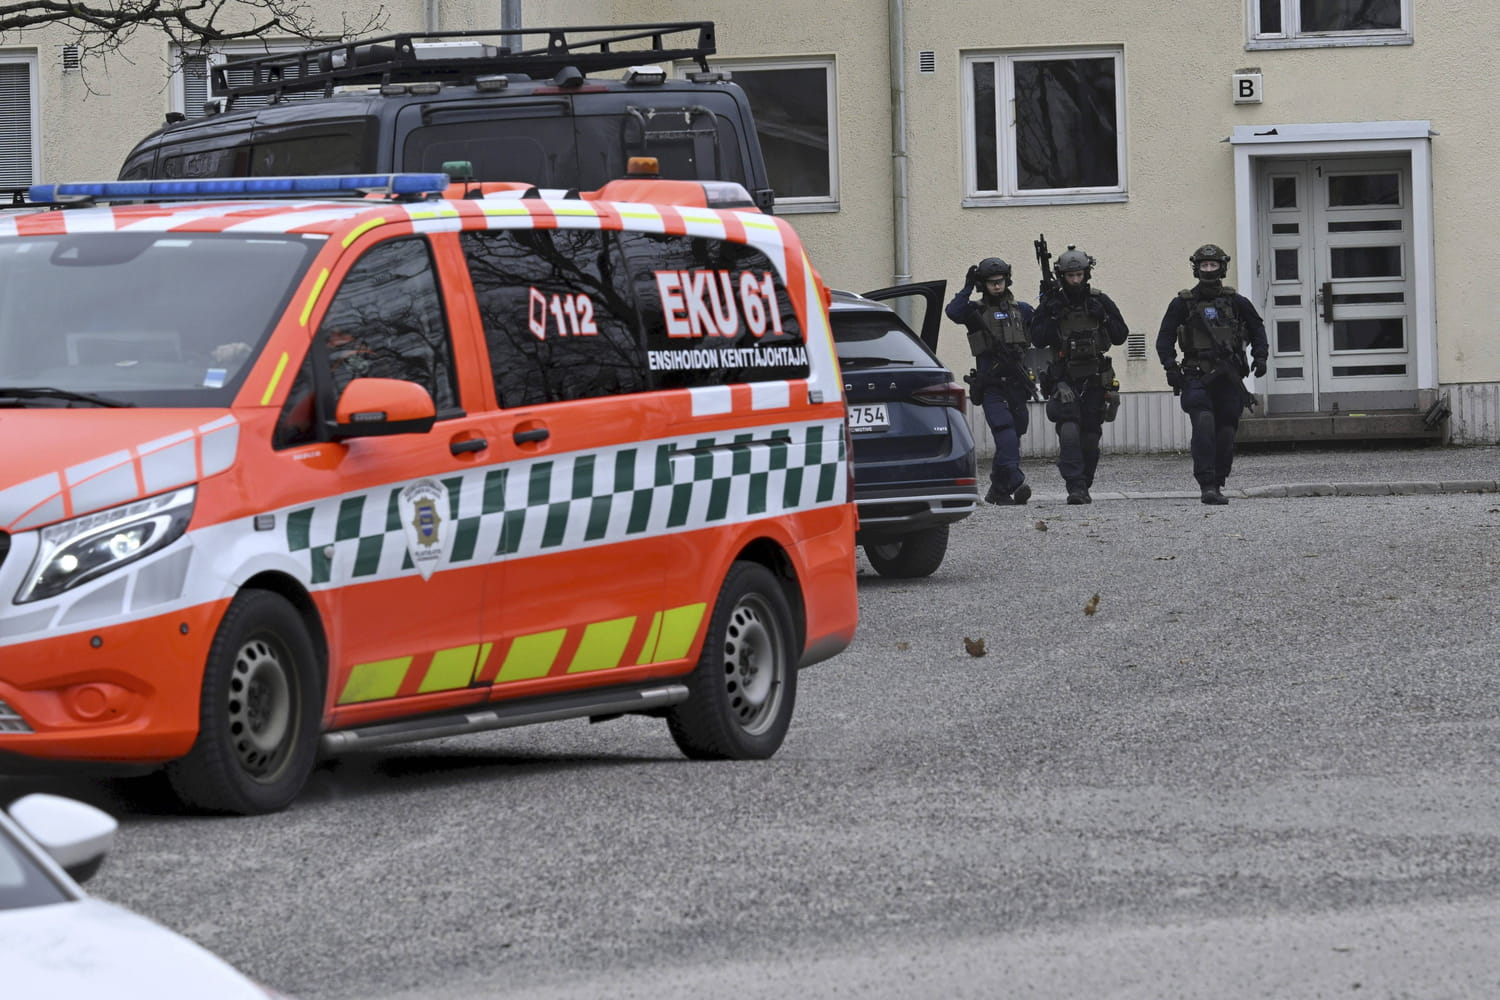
{"x":1212,"y":330}
{"x":1001,"y":326}
{"x":1083,"y":348}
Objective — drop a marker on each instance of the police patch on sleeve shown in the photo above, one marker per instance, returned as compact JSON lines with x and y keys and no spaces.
{"x":422,"y":504}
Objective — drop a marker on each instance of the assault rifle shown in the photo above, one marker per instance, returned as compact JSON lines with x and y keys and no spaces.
{"x":1010,"y":368}
{"x":1044,"y":261}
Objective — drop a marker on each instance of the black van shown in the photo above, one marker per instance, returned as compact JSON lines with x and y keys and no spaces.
{"x":464,"y":102}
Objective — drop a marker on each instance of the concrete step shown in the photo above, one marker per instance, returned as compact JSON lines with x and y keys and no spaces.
{"x":1372,"y":425}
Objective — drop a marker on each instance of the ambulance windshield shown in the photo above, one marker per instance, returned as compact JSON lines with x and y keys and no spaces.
{"x":147,"y":319}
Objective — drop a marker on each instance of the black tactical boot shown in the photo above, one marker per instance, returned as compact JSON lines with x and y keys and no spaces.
{"x":1021,"y":495}
{"x":1211,"y":495}
{"x":997,"y":496}
{"x":1079,"y":494}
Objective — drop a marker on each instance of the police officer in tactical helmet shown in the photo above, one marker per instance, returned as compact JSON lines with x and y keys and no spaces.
{"x":1212,"y":326}
{"x":997,"y":326}
{"x":1078,"y":324}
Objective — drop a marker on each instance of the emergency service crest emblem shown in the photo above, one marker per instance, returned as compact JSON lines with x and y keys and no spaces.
{"x":422,"y":504}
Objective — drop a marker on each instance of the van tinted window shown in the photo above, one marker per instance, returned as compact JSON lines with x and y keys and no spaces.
{"x":714,"y":312}
{"x":557,"y":315}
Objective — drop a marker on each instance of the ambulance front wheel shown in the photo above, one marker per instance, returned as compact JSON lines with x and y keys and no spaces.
{"x":259,"y":712}
{"x":743,"y":689}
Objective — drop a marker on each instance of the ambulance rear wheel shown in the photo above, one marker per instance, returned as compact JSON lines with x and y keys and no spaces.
{"x":259,"y":712}
{"x":742,"y":692}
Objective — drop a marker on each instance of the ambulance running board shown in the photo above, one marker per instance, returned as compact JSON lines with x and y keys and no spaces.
{"x":504,"y":715}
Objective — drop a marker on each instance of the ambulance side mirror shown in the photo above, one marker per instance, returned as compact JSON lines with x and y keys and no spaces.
{"x":370,"y":407}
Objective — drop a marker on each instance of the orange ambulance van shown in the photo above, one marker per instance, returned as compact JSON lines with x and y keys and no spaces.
{"x":296,"y":466}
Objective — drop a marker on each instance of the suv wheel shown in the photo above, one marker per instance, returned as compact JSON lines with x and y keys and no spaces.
{"x":917,"y":554}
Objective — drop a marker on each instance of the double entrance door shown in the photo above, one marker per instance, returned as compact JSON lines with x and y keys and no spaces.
{"x":1337,"y":276}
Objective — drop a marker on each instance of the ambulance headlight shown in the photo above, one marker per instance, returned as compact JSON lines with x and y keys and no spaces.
{"x":88,"y":547}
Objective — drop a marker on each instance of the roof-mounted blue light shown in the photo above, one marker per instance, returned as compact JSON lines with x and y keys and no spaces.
{"x":242,"y":187}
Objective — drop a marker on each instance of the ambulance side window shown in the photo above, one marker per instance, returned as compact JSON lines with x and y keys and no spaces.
{"x":385,"y":321}
{"x":714,"y":312}
{"x":557,"y":315}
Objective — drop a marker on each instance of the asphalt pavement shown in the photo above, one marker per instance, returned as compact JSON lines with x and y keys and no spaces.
{"x":1278,"y":471}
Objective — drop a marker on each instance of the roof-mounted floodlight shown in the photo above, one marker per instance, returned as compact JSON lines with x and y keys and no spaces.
{"x":242,"y":187}
{"x":645,"y":76}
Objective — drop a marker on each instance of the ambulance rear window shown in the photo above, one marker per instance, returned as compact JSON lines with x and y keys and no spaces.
{"x":153,"y":319}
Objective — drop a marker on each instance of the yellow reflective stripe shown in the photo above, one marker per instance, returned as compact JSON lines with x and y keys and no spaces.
{"x":506,"y":210}
{"x":312,"y":298}
{"x":679,"y":627}
{"x":531,"y":656}
{"x":647,"y":216}
{"x":602,"y":645}
{"x":569,"y":210}
{"x":360,"y":230}
{"x":372,"y":681}
{"x":265,"y":398}
{"x":450,"y":669}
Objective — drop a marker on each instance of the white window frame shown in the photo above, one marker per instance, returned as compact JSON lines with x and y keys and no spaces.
{"x":1292,"y":36}
{"x":218,"y":55}
{"x":29,"y":60}
{"x":1009,"y":192}
{"x":815,"y":203}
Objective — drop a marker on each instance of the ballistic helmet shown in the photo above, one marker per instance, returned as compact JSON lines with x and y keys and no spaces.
{"x":1209,"y":251}
{"x":1074,"y":259}
{"x":991,"y":267}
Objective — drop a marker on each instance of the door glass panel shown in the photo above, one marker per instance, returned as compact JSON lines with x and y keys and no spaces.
{"x":1381,"y":334}
{"x":1288,"y":300}
{"x":1357,"y":190}
{"x":1283,"y":192}
{"x":1288,"y":373}
{"x":1369,"y":299}
{"x":1351,"y":15}
{"x":1347,"y":371}
{"x":1286,"y":265}
{"x":1288,"y":336}
{"x":1364,"y":262}
{"x":1285,"y":229}
{"x":1369,"y":226}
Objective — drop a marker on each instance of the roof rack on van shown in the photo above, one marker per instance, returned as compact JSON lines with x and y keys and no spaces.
{"x":462,"y":56}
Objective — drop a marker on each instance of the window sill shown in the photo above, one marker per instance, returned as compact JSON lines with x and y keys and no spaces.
{"x":999,"y":201}
{"x":805,"y":207}
{"x":1324,"y":42}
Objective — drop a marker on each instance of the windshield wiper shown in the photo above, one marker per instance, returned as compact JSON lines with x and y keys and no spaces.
{"x":9,"y":395}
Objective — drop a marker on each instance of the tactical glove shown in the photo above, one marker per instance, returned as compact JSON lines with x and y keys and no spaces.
{"x":972,"y":276}
{"x":1259,"y":367}
{"x":1176,"y":378}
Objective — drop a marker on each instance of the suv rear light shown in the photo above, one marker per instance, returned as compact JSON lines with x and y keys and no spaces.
{"x":943,"y":394}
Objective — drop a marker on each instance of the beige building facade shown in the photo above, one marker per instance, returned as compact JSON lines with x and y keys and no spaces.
{"x":1341,"y":152}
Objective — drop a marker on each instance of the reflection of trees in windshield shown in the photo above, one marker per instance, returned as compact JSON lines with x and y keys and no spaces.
{"x":557,"y":315}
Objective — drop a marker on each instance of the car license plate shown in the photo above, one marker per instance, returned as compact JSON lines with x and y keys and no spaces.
{"x":868,"y":417}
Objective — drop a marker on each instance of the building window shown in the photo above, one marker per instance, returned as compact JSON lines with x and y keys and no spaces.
{"x":192,"y":88}
{"x":18,"y":121}
{"x":1045,"y":127}
{"x":795,"y":103}
{"x":1309,"y":23}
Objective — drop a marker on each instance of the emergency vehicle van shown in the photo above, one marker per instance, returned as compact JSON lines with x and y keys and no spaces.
{"x":285,"y":477}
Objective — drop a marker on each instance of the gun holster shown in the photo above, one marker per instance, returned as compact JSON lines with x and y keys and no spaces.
{"x":976,"y":386}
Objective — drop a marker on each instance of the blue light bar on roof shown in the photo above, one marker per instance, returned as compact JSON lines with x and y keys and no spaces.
{"x":243,"y":187}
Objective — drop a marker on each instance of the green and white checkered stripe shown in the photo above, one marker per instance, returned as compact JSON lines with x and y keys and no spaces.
{"x":580,"y":499}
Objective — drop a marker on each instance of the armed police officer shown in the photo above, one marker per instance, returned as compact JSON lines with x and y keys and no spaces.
{"x":1212,"y":326}
{"x":1002,"y":386}
{"x":1078,"y":324}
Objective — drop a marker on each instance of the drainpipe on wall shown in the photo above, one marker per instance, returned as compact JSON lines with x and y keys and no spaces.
{"x":510,"y":20}
{"x":900,"y":210}
{"x":430,"y":16}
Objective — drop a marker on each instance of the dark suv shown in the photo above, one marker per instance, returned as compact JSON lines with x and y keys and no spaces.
{"x":469,"y":104}
{"x":914,"y":471}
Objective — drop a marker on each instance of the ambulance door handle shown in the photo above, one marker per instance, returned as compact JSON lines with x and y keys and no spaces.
{"x":528,"y":436}
{"x":467,"y":445}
